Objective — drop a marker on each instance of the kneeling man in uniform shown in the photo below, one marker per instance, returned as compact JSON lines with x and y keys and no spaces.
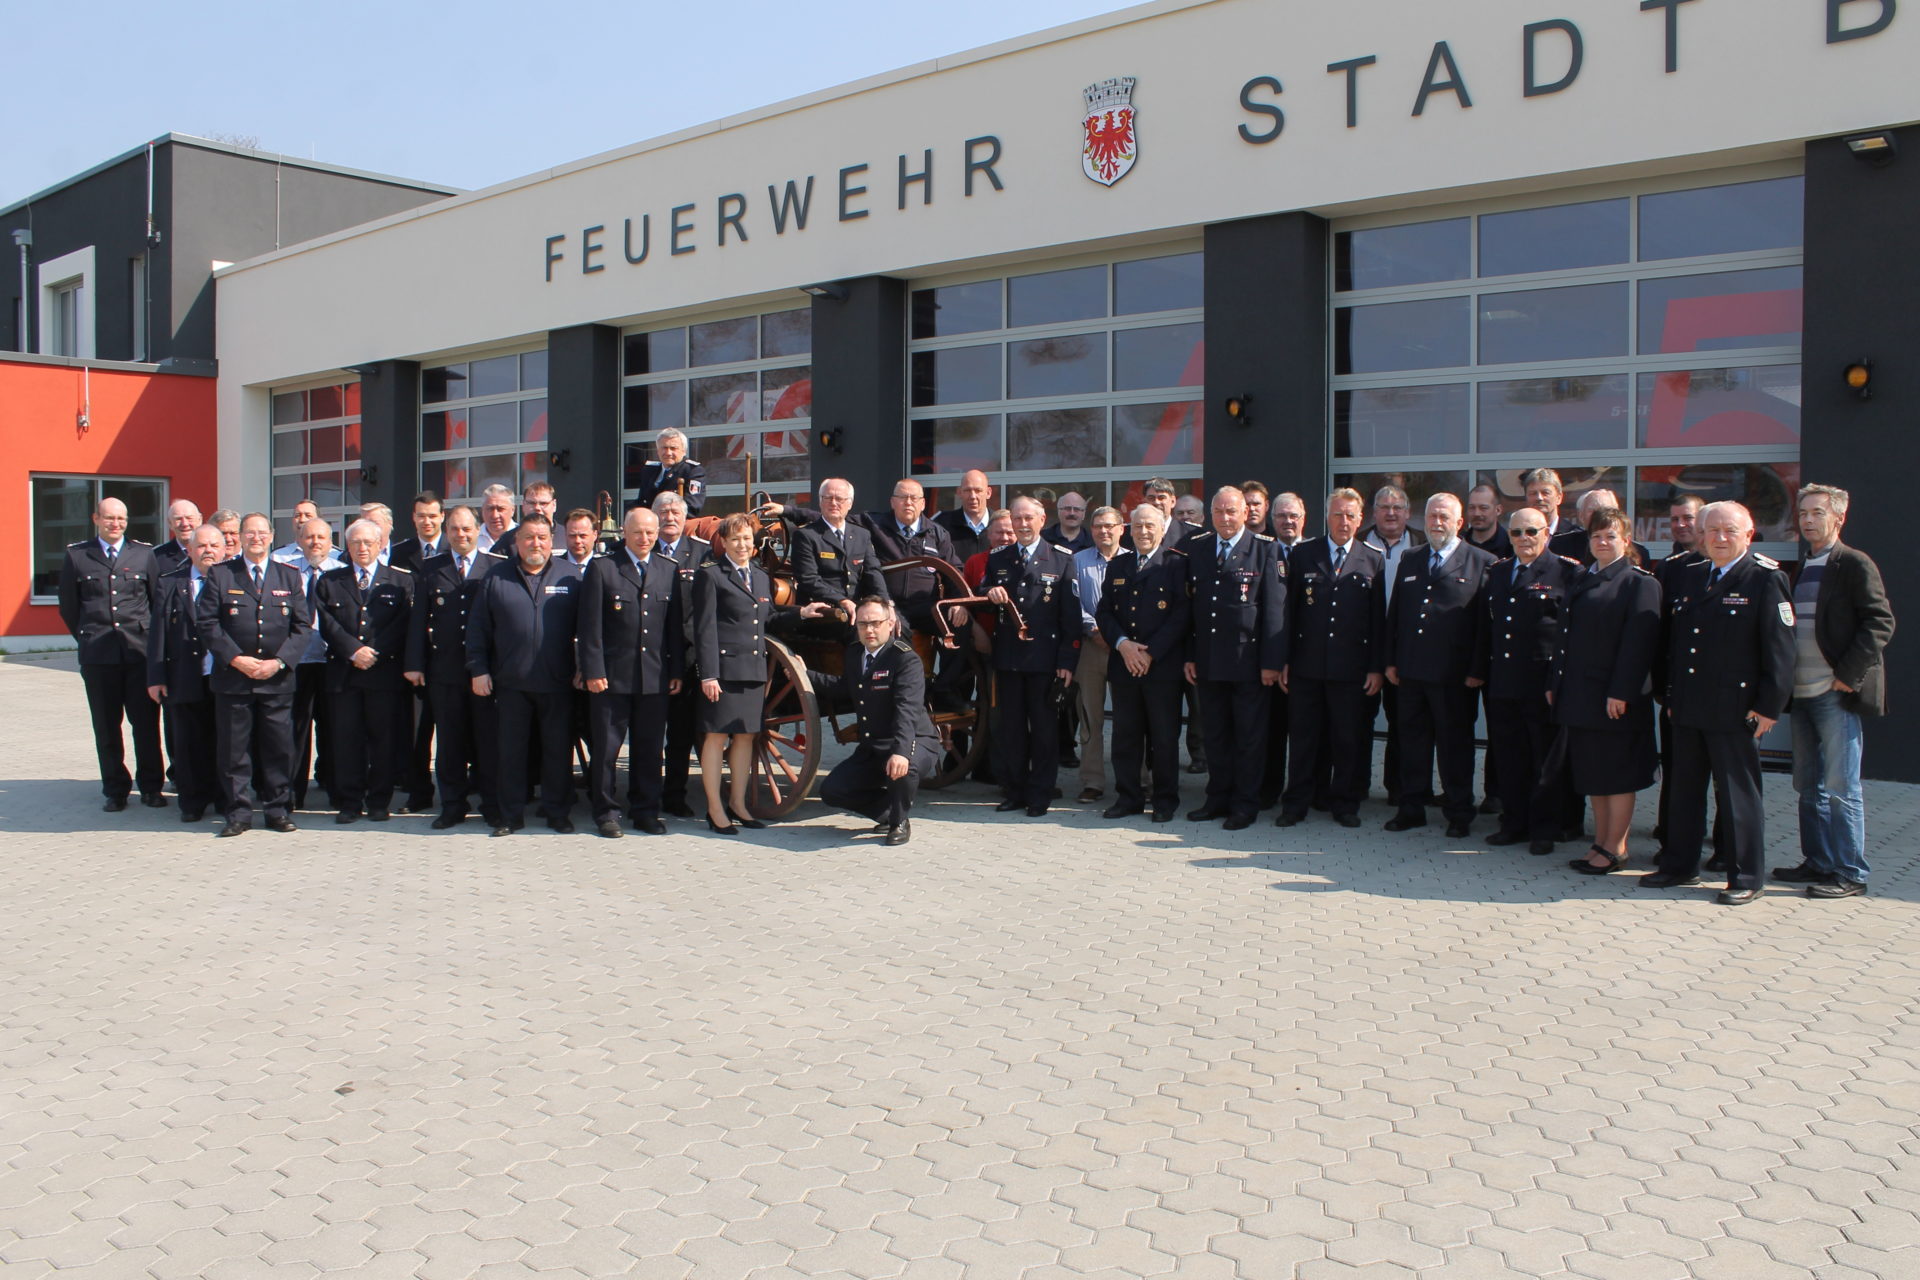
{"x":883,"y":679}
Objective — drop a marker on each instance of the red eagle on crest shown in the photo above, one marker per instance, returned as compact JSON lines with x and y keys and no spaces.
{"x":1109,"y":140}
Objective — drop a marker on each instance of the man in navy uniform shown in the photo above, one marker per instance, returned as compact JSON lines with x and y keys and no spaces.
{"x":1526,"y":601}
{"x":520,"y":652}
{"x":429,"y":540}
{"x":1683,"y":521}
{"x":363,"y":611}
{"x":632,"y":652}
{"x":672,"y":471}
{"x":883,"y":681}
{"x":253,"y":618}
{"x":429,"y":534}
{"x":183,"y":517}
{"x":105,"y":590}
{"x":1038,"y":580}
{"x":465,"y":724}
{"x":1336,"y":662}
{"x":834,"y":561}
{"x":1239,"y":649}
{"x":315,"y":556}
{"x":688,"y":553}
{"x":1434,"y":625}
{"x":1729,"y":673}
{"x":1143,"y":613}
{"x":1573,"y":543}
{"x":178,"y":665}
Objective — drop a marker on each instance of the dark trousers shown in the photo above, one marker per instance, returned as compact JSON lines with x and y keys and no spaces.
{"x":312,"y":731}
{"x":1732,"y":762}
{"x":1520,"y":734}
{"x":1328,"y":718}
{"x":116,"y":691}
{"x":253,"y":740}
{"x":1146,"y":725}
{"x":522,"y":713}
{"x":465,"y":731}
{"x":191,"y":744}
{"x":1196,"y":730}
{"x":859,"y":784}
{"x":1391,"y":768}
{"x":419,"y":780}
{"x":611,"y":717}
{"x":1026,"y":737}
{"x":1490,"y":774}
{"x":1273,"y":778}
{"x":1233,"y":715}
{"x":1666,"y":789}
{"x":682,"y":722}
{"x":1436,"y":719}
{"x":372,"y":742}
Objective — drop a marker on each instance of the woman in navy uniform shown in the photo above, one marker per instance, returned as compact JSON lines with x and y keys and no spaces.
{"x":732,"y":604}
{"x":1602,"y":686}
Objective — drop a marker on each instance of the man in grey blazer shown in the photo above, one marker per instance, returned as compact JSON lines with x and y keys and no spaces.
{"x":1842,"y":623}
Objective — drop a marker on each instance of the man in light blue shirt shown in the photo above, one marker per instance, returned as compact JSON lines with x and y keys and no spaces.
{"x":1090,"y":678}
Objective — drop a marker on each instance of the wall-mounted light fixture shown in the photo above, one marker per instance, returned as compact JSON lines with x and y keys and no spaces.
{"x":1859,"y":377}
{"x":833,"y":292}
{"x":560,"y":460}
{"x":1877,"y":148}
{"x":1239,"y":410}
{"x":833,"y":438}
{"x":370,"y":475}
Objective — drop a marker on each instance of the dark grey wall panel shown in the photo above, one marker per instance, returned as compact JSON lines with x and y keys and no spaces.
{"x":860,"y":386}
{"x":1266,"y":334}
{"x":390,"y":436}
{"x":107,"y":211}
{"x":583,"y":412}
{"x":1863,"y":280}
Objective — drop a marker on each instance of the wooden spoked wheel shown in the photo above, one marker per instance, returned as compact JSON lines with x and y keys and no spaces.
{"x":963,"y":731}
{"x":786,"y":752}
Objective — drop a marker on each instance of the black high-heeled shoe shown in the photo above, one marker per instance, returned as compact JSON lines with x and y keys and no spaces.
{"x":717,"y":829}
{"x":751,"y":824}
{"x":1584,"y":866}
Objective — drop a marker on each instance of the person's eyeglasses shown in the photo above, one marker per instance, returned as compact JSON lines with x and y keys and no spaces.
{"x":1526,"y":533}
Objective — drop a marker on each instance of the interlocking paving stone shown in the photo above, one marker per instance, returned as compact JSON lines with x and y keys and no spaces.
{"x":1052,"y":1050}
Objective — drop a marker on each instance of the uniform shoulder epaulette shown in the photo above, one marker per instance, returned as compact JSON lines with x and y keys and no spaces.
{"x":702,"y":541}
{"x":1065,"y":551}
{"x":1570,"y":560}
{"x":1640,"y":568}
{"x":400,"y":568}
{"x":1765,"y":562}
{"x":135,"y":542}
{"x":1263,"y":537}
{"x":83,"y":542}
{"x":1173,"y":551}
{"x":491,"y":555}
{"x":1205,"y":533}
{"x":901,"y":645}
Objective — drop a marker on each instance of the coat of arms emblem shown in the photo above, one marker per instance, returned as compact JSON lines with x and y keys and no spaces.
{"x":1110,"y":143}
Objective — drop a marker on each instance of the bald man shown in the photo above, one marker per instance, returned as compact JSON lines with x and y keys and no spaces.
{"x":105,"y":585}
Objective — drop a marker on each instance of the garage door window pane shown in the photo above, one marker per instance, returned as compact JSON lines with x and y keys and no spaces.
{"x":1390,"y":257}
{"x":1716,"y":408}
{"x":1534,"y":415}
{"x":1743,"y":218}
{"x":1165,"y":356}
{"x":1054,"y":438}
{"x":956,"y":376}
{"x":1075,"y":364}
{"x":1581,"y":322}
{"x":1723,"y":311}
{"x":1387,"y":422}
{"x":1392,"y":336}
{"x":1557,"y":239}
{"x":945,"y":445}
{"x":1157,"y":435}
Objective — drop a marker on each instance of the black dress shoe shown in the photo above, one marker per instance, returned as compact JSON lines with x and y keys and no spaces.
{"x":1668,"y":880}
{"x":1459,"y":830}
{"x":192,"y":815}
{"x":1289,"y":819}
{"x":1802,"y":874}
{"x":1207,"y":813}
{"x":648,"y":826}
{"x":1837,"y":889}
{"x":1163,"y":815}
{"x":1037,"y":811}
{"x":446,"y":820}
{"x":417,"y":804}
{"x":1347,"y":819}
{"x":1008,"y":806}
{"x":609,"y":828}
{"x":1238,"y":822}
{"x":1501,"y":839}
{"x":282,"y":824}
{"x":1720,"y":863}
{"x":681,"y":810}
{"x":235,"y":828}
{"x":899,"y":835}
{"x":114,"y":804}
{"x":1490,"y":805}
{"x":1197,"y":765}
{"x":346,"y":817}
{"x":1735,"y":897}
{"x":502,"y":830}
{"x":1540,"y":848}
{"x":153,"y":800}
{"x":381,"y":815}
{"x":1404,"y":822}
{"x":1089,"y":794}
{"x":1121,"y":810}
{"x":560,"y":826}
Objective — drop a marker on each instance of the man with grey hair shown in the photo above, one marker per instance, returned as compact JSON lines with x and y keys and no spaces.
{"x":687,"y":553}
{"x":183,"y":517}
{"x":1573,"y":543}
{"x":1842,"y":623}
{"x":671,"y":471}
{"x":497,"y":502}
{"x":1143,"y":616}
{"x":1729,"y":673}
{"x":382,"y":516}
{"x":227,"y":521}
{"x":363,"y":611}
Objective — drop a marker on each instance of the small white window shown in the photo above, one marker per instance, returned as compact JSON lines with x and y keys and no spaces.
{"x":66,"y":305}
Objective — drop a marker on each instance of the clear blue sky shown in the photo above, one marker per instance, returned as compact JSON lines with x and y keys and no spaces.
{"x":465,"y":94}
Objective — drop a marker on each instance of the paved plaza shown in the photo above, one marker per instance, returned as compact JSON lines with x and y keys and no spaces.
{"x":1050,"y":1049}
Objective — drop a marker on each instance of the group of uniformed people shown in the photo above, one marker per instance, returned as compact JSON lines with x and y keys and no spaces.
{"x":500,"y":650}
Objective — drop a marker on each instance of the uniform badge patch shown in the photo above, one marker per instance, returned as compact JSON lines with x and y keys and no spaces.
{"x":1786,"y":613}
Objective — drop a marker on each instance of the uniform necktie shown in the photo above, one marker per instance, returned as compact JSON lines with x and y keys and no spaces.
{"x":1714,"y":581}
{"x":1434,"y":561}
{"x":746,"y":580}
{"x":311,"y":574}
{"x":113,"y":553}
{"x":640,"y":572}
{"x":1339,"y":558}
{"x":460,"y":563}
{"x":1221,"y":559}
{"x":365,"y":579}
{"x":259,"y":577}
